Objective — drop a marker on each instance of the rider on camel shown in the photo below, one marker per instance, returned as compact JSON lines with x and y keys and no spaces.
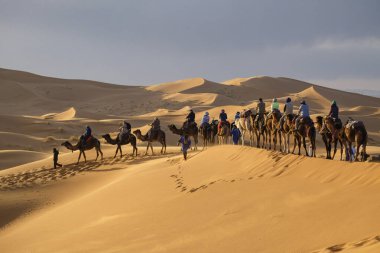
{"x":205,"y":119}
{"x":237,"y":115}
{"x":303,"y":112}
{"x":87,"y":135}
{"x":260,"y":108}
{"x":125,"y":130}
{"x":288,"y":110}
{"x":190,"y":118}
{"x":155,"y":127}
{"x":334,"y":114}
{"x":275,"y":106}
{"x":222,"y":119}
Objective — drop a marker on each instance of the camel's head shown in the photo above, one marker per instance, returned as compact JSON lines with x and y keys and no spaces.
{"x":171,"y":126}
{"x":67,"y":145}
{"x":106,"y":136}
{"x":137,"y":132}
{"x":319,"y":122}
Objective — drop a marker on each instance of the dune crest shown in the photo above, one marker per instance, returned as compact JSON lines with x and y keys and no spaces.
{"x":69,"y":114}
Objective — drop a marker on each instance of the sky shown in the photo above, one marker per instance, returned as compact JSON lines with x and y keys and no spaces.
{"x":334,"y":43}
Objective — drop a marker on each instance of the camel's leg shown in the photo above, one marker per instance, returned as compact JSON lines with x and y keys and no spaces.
{"x":341,"y":150}
{"x":80,"y":154}
{"x":97,"y":153}
{"x":151,"y":147}
{"x":294,"y":143}
{"x":364,"y":152}
{"x":101,"y":153}
{"x":335,"y":148}
{"x":274,"y":140}
{"x":304,"y":145}
{"x":134,"y":150}
{"x":258,"y":140}
{"x":280,"y":138}
{"x":288,"y":143}
{"x":147,"y":147}
{"x":358,"y":144}
{"x":117,"y":151}
{"x":162,"y":146}
{"x":121,"y":151}
{"x":84,"y":155}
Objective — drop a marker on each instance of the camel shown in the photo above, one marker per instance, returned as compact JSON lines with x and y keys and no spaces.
{"x":306,"y":129}
{"x":260,"y":130}
{"x":205,"y":131}
{"x":286,"y":131}
{"x":90,"y":144}
{"x":159,"y":137}
{"x":192,"y":131}
{"x":328,"y":139}
{"x":245,"y":125}
{"x":130,"y":139}
{"x":224,"y":133}
{"x":355,"y":131}
{"x":214,"y":130}
{"x":272,"y":126}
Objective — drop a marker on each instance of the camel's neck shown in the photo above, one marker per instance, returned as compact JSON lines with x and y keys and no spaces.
{"x":71,"y":147}
{"x":177,"y":131}
{"x":111,"y":141}
{"x":142,"y":137}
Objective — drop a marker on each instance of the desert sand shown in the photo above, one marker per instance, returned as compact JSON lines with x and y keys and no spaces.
{"x":222,"y":199}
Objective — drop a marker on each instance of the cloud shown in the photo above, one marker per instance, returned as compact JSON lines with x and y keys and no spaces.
{"x":367,"y":43}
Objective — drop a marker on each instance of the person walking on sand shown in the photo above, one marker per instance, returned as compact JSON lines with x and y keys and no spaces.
{"x":235,"y":135}
{"x":55,"y":158}
{"x":186,"y":144}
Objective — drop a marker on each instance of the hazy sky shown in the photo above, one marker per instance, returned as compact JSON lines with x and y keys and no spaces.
{"x":331,"y":42}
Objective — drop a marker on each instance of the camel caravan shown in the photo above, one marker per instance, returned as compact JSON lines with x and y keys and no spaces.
{"x":271,"y":130}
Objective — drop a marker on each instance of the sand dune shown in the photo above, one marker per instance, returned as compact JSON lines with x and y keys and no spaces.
{"x":11,"y":158}
{"x":223,"y":199}
{"x":69,"y":114}
{"x":210,"y":204}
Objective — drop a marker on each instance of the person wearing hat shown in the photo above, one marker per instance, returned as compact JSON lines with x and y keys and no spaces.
{"x":303,"y":112}
{"x":125,"y":130}
{"x":205,"y":119}
{"x":288,"y":110}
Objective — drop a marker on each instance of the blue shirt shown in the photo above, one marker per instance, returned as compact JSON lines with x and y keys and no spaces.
{"x":235,"y":135}
{"x":304,"y":111}
{"x":223,"y":116}
{"x":186,"y":146}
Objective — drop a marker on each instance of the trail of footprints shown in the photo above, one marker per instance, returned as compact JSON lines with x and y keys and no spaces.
{"x":179,"y":180}
{"x":44,"y":175}
{"x":352,"y":245}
